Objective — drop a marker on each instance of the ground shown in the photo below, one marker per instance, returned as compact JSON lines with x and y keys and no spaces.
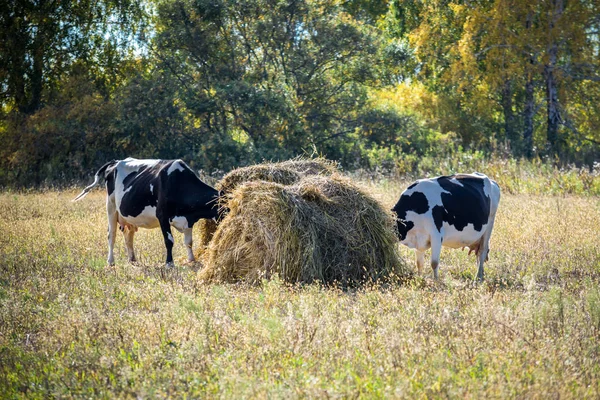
{"x":72,"y":326}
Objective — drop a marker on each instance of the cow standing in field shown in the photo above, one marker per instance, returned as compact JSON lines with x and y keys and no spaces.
{"x":151,"y":194}
{"x":453,"y":211}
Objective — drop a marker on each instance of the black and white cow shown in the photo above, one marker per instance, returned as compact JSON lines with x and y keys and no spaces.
{"x":151,"y":194}
{"x":453,"y":211}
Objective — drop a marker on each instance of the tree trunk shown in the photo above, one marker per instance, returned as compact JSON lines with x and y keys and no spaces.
{"x":16,"y":81}
{"x":37,"y":73}
{"x":16,"y":48}
{"x":553,"y":112}
{"x":507,"y":108}
{"x":528,"y":114}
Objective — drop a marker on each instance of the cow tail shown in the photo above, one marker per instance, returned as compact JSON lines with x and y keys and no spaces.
{"x":100,"y":174}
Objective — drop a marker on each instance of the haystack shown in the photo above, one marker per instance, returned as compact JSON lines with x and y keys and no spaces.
{"x":286,"y":173}
{"x":319,"y":228}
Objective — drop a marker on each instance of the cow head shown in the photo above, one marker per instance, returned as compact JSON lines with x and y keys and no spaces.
{"x":403,"y":226}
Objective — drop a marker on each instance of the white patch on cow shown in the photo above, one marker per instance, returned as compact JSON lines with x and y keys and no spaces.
{"x":432,"y":191}
{"x":146,"y":219}
{"x":487,"y":186}
{"x":494,"y":197}
{"x":152,"y":188}
{"x":419,"y":236}
{"x":170,"y":237}
{"x":455,"y":239}
{"x":179,"y":223}
{"x":124,"y":168}
{"x":135,"y":164}
{"x":175,"y":166}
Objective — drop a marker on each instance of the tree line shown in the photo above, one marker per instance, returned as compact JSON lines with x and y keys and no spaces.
{"x":227,"y":83}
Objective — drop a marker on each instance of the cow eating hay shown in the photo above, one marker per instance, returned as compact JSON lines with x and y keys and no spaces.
{"x":320,"y":228}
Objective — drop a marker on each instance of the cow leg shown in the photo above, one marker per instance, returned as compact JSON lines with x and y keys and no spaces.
{"x":420,"y":260}
{"x":188,"y":240}
{"x":436,"y":250}
{"x":111,"y":211}
{"x":165,"y":227}
{"x":128,"y":233}
{"x":481,"y":259}
{"x":484,"y":249}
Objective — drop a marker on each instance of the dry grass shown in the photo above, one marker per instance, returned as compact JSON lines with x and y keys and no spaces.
{"x":72,"y":327}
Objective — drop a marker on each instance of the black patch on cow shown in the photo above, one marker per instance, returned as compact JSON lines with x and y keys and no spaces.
{"x":439,"y":216}
{"x":403,"y":228}
{"x":127,"y":182}
{"x":138,"y":194}
{"x":412,"y":185}
{"x":110,"y":183}
{"x":188,"y":196}
{"x":463,"y":205}
{"x":416,"y":202}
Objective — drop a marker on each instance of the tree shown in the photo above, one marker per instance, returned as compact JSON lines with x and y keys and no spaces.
{"x":281,"y":76}
{"x":495,"y":53}
{"x":40,"y":39}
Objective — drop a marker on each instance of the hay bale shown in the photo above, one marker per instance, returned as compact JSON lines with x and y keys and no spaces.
{"x":322,"y":228}
{"x":207,"y":229}
{"x":311,"y":166}
{"x":285,"y":173}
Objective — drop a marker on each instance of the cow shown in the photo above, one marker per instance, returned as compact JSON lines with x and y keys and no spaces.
{"x":151,"y":194}
{"x":453,"y":211}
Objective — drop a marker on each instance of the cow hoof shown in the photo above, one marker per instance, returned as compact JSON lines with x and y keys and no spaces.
{"x":170,"y":265}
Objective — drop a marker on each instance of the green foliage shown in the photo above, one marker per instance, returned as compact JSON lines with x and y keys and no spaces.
{"x":41,"y":39}
{"x":54,"y":143}
{"x":226,"y":83}
{"x":288,"y":75}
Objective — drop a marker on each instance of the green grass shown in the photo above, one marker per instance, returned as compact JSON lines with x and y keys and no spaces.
{"x":72,"y":327}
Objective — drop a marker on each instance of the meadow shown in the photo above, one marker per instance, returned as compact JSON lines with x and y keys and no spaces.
{"x":70,"y":326}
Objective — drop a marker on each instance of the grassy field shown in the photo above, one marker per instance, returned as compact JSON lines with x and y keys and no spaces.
{"x":72,"y":327}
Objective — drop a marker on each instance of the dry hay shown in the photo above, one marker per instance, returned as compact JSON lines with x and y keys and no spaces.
{"x":321,"y":228}
{"x":207,"y":230}
{"x":285,"y":173}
